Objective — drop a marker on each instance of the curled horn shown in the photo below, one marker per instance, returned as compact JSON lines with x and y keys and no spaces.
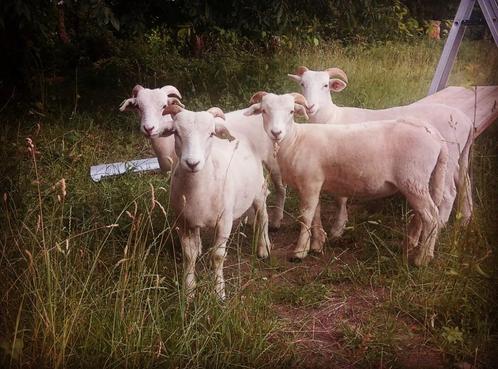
{"x":136,"y":89}
{"x":216,"y":112}
{"x":337,"y":72}
{"x":172,"y":91}
{"x":300,"y":70}
{"x":300,"y":99}
{"x":257,"y":97}
{"x":172,"y":110}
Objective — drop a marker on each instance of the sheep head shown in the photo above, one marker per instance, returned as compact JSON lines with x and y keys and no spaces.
{"x":316,"y":86}
{"x":194,"y":133}
{"x":150,"y":104}
{"x":278,"y":111}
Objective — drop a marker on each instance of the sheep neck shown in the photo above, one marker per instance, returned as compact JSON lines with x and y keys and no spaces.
{"x":289,"y":140}
{"x":327,"y":113}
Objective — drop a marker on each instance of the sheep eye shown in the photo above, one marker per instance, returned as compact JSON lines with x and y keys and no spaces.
{"x":292,"y":111}
{"x":263,"y":111}
{"x":325,"y":86}
{"x":211,"y":134}
{"x":302,"y":84}
{"x":165,"y":106}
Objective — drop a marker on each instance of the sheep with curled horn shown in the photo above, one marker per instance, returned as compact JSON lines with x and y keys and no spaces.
{"x":218,"y":178}
{"x":455,"y":127}
{"x":367,"y":160}
{"x":150,"y":103}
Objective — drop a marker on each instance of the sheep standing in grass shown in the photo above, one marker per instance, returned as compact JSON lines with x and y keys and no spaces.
{"x":150,"y":103}
{"x":215,"y":182}
{"x":369,"y":160}
{"x":455,"y":127}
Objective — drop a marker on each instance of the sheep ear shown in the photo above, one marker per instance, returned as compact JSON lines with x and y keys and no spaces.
{"x":301,"y":110}
{"x":337,"y":85}
{"x":294,"y":77}
{"x":172,"y":110}
{"x":129,"y":105}
{"x":222,"y":132}
{"x":253,"y":110}
{"x":166,"y":128}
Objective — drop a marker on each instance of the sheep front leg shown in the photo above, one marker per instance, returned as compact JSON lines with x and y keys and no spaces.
{"x":223,"y":230}
{"x":190,"y":241}
{"x":276,"y":214}
{"x":309,"y":201}
{"x":318,"y":234}
{"x":341,"y":218}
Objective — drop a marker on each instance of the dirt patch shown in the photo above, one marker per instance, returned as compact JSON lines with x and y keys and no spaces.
{"x":348,"y":325}
{"x":343,"y":332}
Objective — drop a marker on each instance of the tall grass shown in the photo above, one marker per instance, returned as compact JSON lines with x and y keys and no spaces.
{"x":90,"y":273}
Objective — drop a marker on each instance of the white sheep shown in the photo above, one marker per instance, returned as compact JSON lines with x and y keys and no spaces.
{"x":455,"y":127}
{"x":215,"y":182}
{"x":149,"y":103}
{"x":366,"y":160}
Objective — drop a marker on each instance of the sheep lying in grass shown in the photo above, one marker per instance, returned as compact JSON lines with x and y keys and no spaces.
{"x":150,"y":104}
{"x":455,"y":127}
{"x":215,"y":182}
{"x":369,"y":160}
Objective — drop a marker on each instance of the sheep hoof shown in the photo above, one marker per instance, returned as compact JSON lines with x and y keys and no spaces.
{"x":295,"y":259}
{"x":315,"y":252}
{"x":263,"y":256}
{"x":422,"y":259}
{"x":336,"y":233}
{"x":273,"y":228}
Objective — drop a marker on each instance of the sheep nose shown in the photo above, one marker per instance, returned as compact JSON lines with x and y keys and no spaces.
{"x":276,"y":134}
{"x":149,"y":130}
{"x":191,"y":164}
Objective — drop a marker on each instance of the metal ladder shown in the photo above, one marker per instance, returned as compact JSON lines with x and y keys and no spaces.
{"x":462,"y":19}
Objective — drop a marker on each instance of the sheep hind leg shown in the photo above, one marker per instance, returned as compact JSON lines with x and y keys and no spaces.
{"x":465,"y":199}
{"x":191,"y":248}
{"x":412,"y":237}
{"x":340,"y":219}
{"x":261,"y":226}
{"x":318,"y":234}
{"x":427,"y":212}
{"x":276,"y":213}
{"x":447,"y":202}
{"x":223,"y":229}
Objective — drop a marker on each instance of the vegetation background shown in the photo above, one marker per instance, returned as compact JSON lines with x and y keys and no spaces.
{"x":90,"y":272}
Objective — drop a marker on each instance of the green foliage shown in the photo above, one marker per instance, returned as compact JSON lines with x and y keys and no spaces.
{"x":50,"y":39}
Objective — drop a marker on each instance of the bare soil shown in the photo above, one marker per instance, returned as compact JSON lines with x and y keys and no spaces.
{"x":343,"y":328}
